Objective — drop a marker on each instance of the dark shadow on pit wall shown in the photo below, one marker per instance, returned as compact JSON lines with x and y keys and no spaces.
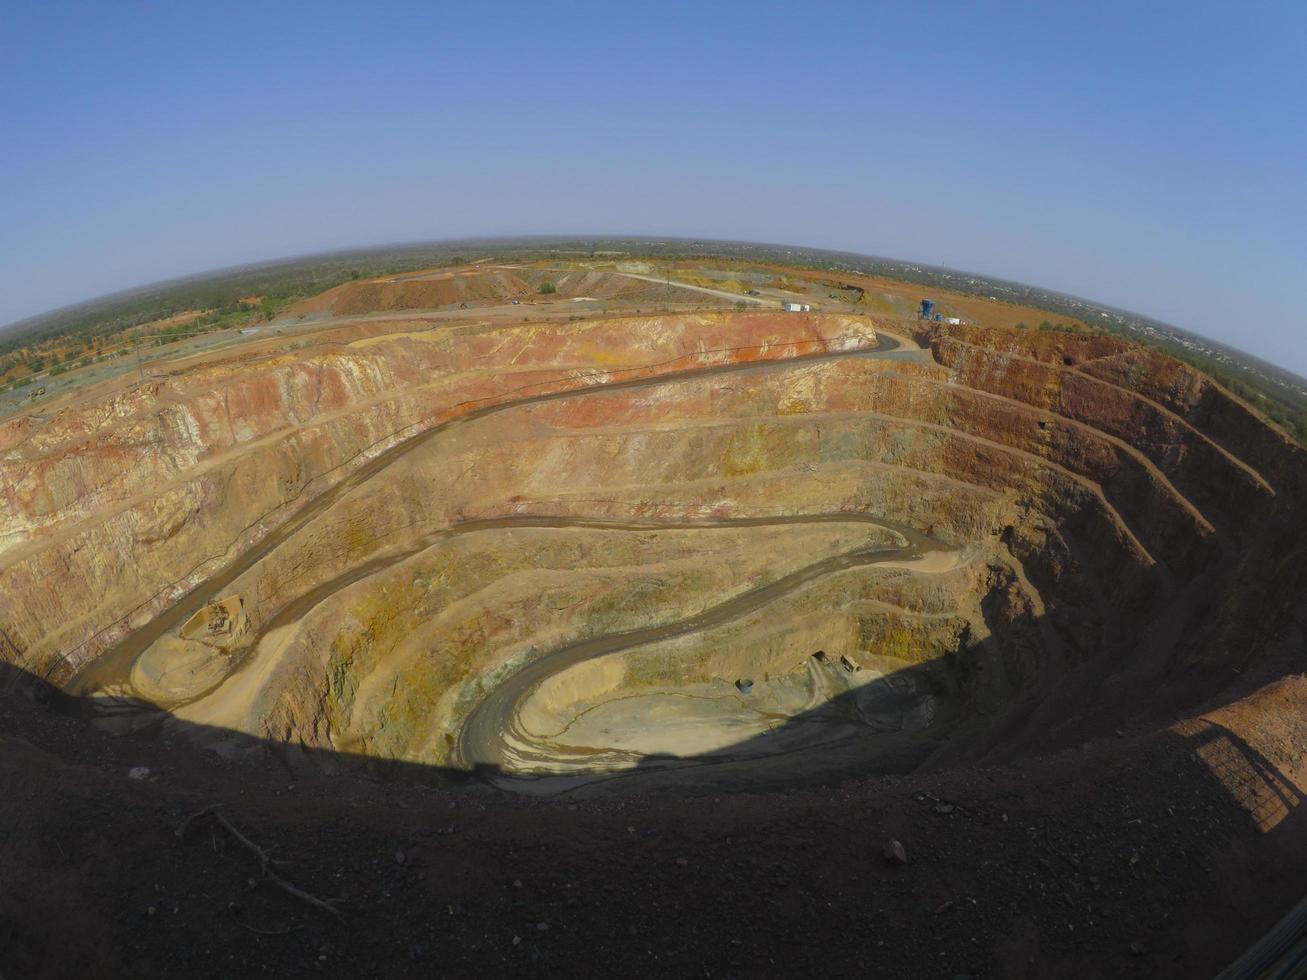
{"x":980,"y":693}
{"x":973,"y":684}
{"x":833,"y":741}
{"x":982,"y":697}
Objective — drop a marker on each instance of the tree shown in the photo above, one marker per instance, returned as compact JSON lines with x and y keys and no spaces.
{"x":547,"y":287}
{"x":268,"y":307}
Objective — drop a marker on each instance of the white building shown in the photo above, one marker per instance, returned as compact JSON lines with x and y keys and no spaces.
{"x":790,"y":307}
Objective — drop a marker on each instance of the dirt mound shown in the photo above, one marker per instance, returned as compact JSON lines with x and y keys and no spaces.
{"x":490,"y":286}
{"x":417,"y":291}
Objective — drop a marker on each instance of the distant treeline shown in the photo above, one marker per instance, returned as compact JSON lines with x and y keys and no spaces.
{"x":1284,"y":408}
{"x":220,"y":295}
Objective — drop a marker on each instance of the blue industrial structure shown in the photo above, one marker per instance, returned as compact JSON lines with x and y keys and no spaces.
{"x":927,"y":308}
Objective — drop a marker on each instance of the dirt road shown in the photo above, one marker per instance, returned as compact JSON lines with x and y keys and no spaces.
{"x":720,"y":293}
{"x":492,"y":735}
{"x":113,"y":667}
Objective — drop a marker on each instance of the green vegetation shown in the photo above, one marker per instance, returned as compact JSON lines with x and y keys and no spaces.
{"x":548,"y":287}
{"x":277,"y":283}
{"x":1060,"y":327}
{"x":237,"y":314}
{"x":1281,"y":407}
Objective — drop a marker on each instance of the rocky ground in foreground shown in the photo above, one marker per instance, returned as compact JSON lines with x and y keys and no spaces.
{"x":1127,"y":857}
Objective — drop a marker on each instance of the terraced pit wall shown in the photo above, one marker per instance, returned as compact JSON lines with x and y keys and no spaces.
{"x":1117,"y":521}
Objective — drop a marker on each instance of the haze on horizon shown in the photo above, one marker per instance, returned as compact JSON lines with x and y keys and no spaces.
{"x":1146,"y":158}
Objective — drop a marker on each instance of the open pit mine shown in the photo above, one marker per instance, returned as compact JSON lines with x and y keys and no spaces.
{"x":1029,"y":603}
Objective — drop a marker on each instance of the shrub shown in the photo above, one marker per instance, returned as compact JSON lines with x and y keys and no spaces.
{"x":547,"y":287}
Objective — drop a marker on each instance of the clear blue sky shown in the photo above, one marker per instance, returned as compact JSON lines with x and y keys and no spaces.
{"x":1148,"y":155}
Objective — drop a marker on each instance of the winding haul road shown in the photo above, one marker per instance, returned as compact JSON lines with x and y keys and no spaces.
{"x":114,"y":664}
{"x":481,"y":740}
{"x":492,"y":739}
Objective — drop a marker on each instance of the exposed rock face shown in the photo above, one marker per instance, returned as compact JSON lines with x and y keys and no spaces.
{"x":168,"y":481}
{"x":1003,"y":542}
